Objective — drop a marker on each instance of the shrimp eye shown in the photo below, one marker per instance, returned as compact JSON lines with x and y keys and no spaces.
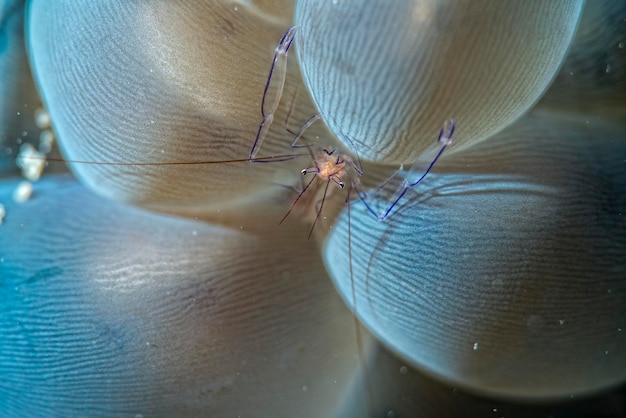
{"x":303,"y":172}
{"x":341,"y":185}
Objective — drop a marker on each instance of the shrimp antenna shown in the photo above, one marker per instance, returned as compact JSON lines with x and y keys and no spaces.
{"x":293,"y":205}
{"x":319,"y":211}
{"x":273,"y":158}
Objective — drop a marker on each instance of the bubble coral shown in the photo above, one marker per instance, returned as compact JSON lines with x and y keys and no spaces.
{"x":504,"y":273}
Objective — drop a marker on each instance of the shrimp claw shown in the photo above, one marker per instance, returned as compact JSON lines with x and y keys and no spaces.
{"x":415,"y":174}
{"x":273,"y":88}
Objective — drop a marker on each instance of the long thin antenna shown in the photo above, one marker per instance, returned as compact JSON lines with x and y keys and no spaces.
{"x":273,"y":158}
{"x":357,"y":324}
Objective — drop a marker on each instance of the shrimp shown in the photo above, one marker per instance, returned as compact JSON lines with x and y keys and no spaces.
{"x":331,"y":165}
{"x":343,"y":169}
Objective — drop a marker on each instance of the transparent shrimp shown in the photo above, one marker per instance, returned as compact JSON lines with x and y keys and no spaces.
{"x":331,"y":165}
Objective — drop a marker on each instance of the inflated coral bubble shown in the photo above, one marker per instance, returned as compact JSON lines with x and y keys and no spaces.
{"x":505,"y":274}
{"x":385,"y":75}
{"x":108,"y":310}
{"x":139,"y":83}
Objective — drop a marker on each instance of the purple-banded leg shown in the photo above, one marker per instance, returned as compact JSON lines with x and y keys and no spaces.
{"x":416,"y":173}
{"x":273,"y":88}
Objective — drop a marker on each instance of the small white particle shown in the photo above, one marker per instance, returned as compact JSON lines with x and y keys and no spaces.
{"x":23,"y":191}
{"x":31,"y":161}
{"x":42,"y":118}
{"x":561,"y":321}
{"x":46,"y":139}
{"x":194,"y":233}
{"x":3,"y":212}
{"x":608,"y":68}
{"x":475,"y":346}
{"x":620,"y":45}
{"x":305,"y":389}
{"x":606,"y":352}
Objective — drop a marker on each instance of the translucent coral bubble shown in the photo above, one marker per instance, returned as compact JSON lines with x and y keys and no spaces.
{"x":506,"y":273}
{"x":388,"y":74}
{"x":108,"y":309}
{"x":159,"y":82}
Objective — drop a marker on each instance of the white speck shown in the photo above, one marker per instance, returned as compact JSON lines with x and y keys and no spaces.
{"x":305,"y":389}
{"x":335,"y":1}
{"x":495,"y":409}
{"x":561,"y":321}
{"x":620,"y":45}
{"x":619,"y":330}
{"x":3,"y":212}
{"x":46,"y":139}
{"x":475,"y":346}
{"x":17,"y":113}
{"x":42,"y":118}
{"x":194,"y":232}
{"x":606,"y":352}
{"x":403,"y":370}
{"x":608,"y":68}
{"x":235,"y":8}
{"x":391,"y":414}
{"x":571,"y":73}
{"x":31,"y":161}
{"x":23,"y":191}
{"x":148,"y":343}
{"x":587,"y":122}
{"x":2,"y":260}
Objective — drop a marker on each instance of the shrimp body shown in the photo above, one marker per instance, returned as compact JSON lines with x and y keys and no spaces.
{"x":331,"y":166}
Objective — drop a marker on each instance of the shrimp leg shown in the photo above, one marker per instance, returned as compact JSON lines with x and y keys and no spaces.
{"x":415,"y":174}
{"x":273,"y":88}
